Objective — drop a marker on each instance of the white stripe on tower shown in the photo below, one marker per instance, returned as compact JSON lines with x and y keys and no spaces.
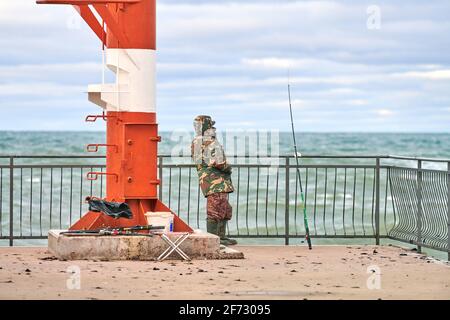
{"x":136,"y":88}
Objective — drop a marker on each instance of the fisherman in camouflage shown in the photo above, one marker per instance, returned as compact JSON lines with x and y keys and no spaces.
{"x":214,"y":177}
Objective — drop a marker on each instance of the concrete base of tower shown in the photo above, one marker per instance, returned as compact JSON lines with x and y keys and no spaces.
{"x":199,"y":245}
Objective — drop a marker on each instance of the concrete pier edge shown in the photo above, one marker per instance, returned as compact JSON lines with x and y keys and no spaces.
{"x":199,"y":245}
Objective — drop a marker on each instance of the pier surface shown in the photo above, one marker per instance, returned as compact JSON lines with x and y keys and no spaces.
{"x":267,"y":272}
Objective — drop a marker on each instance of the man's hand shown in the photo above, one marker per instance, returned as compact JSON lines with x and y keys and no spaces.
{"x":224,"y":167}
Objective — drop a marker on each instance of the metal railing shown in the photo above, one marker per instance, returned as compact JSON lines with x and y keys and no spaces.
{"x":370,"y":197}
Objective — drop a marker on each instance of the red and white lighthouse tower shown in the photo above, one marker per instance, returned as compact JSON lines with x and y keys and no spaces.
{"x":127,"y":30}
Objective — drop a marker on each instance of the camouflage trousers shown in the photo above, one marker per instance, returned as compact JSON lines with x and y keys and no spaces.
{"x":218,"y":207}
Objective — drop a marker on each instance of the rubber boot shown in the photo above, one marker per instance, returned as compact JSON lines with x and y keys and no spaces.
{"x":212,"y":226}
{"x":223,"y":239}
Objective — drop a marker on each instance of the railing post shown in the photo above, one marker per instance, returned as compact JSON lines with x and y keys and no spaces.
{"x":377,"y":202}
{"x":160,"y":174}
{"x":448,"y":211}
{"x":286,"y":213}
{"x":11,"y":201}
{"x":419,"y":205}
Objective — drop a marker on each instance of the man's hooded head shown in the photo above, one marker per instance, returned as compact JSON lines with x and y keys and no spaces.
{"x":202,"y":124}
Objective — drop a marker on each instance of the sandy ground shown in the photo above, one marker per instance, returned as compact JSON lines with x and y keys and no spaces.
{"x":268,"y":272}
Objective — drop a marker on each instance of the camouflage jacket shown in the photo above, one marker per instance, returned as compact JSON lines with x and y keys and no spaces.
{"x":213,"y":170}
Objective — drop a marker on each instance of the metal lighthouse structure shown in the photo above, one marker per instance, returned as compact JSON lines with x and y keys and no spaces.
{"x":127,"y":30}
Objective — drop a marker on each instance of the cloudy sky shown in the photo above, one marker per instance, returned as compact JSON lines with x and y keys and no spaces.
{"x":348,"y":70}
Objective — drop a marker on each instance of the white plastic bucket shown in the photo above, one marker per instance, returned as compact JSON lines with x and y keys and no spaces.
{"x":160,"y":219}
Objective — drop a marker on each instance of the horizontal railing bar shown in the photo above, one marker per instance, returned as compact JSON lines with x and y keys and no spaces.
{"x":418,"y":170}
{"x":25,"y":237}
{"x":419,"y":158}
{"x":242,"y":156}
{"x":51,"y":157}
{"x":282,"y":236}
{"x":234,"y":165}
{"x":323,"y":166}
{"x":291,"y":156}
{"x":413,"y":242}
{"x":306,"y":156}
{"x":312,"y":156}
{"x":242,"y":236}
{"x":250,"y":165}
{"x":277,"y":166}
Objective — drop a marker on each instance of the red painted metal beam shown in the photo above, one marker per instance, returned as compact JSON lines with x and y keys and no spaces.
{"x":111,"y":23}
{"x":130,"y":23}
{"x":84,"y":2}
{"x":82,"y":6}
{"x":87,"y":15}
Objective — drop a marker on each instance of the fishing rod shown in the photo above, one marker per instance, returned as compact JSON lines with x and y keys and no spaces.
{"x":298,"y":176}
{"x":106,"y":233}
{"x":131,"y":231}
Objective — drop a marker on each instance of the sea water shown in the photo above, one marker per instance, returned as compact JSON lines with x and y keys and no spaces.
{"x":410,"y":144}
